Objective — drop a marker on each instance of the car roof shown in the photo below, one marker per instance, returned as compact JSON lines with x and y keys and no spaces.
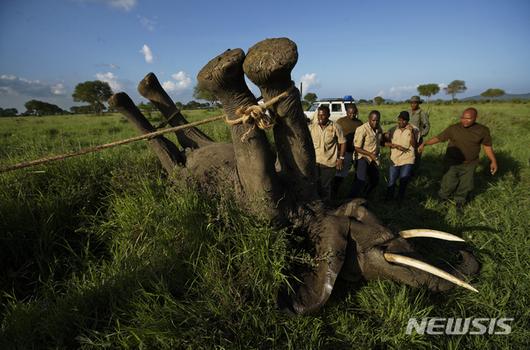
{"x":335,"y":100}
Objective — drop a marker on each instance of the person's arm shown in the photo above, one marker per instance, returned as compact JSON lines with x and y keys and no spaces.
{"x":358,"y":142}
{"x":425,"y":122}
{"x":413,"y":136}
{"x":366,"y":153}
{"x":491,"y":156}
{"x":430,"y":142}
{"x":393,"y":145}
{"x":342,"y":146}
{"x":342,"y":152}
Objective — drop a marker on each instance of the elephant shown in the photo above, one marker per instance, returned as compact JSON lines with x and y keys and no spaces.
{"x":281,"y":185}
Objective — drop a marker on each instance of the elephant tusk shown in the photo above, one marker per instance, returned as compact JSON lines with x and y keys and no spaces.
{"x":404,"y":260}
{"x":430,"y":234}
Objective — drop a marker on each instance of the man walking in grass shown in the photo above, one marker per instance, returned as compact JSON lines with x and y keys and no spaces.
{"x":420,"y":120}
{"x":367,"y":142}
{"x":462,"y":155}
{"x":349,"y":124}
{"x":330,"y":146}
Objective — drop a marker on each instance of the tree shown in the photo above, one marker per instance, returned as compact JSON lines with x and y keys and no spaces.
{"x":179,"y":105}
{"x":36,"y":107}
{"x":203,"y":94}
{"x":455,"y":87}
{"x":428,"y":90}
{"x":310,"y":97}
{"x":378,"y":100}
{"x":193,"y":105}
{"x":95,"y":92}
{"x":87,"y":109}
{"x":493,"y":93}
{"x":8,"y":112}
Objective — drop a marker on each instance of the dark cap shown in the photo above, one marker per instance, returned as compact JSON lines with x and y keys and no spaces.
{"x":415,"y":99}
{"x":404,"y":115}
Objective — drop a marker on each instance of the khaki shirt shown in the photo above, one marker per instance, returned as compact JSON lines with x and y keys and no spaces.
{"x":368,"y":139}
{"x":326,"y":141}
{"x":401,"y":137}
{"x":420,"y":119}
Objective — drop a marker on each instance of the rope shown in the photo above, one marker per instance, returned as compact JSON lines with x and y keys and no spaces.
{"x":252,"y":113}
{"x":107,"y":145}
{"x":257,"y":115}
{"x":168,"y":120}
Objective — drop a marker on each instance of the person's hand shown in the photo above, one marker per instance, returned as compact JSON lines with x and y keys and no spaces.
{"x":340,"y":164}
{"x":421,"y":147}
{"x":493,"y":168}
{"x":373,"y":157}
{"x":409,"y":127}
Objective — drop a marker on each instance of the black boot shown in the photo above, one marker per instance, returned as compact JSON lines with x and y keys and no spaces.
{"x":403,"y":182}
{"x":390,"y":192}
{"x":337,"y":181}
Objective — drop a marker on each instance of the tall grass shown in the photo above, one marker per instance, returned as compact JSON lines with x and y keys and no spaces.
{"x":105,"y":250}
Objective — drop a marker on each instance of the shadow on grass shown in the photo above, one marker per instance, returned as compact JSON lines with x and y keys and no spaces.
{"x":64,"y":321}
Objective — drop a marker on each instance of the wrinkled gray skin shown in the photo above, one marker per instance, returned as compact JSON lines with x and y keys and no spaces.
{"x":345,"y":238}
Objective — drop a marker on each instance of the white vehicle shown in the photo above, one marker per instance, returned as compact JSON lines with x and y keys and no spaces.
{"x":337,"y":107}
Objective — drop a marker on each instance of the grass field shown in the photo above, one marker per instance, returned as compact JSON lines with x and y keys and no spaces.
{"x":104,"y":251}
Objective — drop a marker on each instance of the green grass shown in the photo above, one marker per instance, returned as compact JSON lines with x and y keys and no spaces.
{"x":104,"y":250}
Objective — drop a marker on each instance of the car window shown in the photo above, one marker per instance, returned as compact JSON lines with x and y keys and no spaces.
{"x":336,"y":107}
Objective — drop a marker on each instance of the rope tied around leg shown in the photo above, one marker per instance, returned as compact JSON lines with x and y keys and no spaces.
{"x":256,"y":115}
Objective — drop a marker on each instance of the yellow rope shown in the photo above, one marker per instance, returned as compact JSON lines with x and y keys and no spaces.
{"x":257,"y":115}
{"x":255,"y":112}
{"x":107,"y":145}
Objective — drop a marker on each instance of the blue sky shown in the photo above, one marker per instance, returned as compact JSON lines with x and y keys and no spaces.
{"x":359,"y":48}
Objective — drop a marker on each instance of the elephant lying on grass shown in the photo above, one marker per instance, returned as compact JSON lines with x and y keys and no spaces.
{"x":281,"y":185}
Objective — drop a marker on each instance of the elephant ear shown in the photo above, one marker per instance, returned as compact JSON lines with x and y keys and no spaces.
{"x":330,"y":236}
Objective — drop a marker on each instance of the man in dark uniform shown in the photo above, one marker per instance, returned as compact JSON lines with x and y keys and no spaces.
{"x":462,"y":154}
{"x":349,"y":124}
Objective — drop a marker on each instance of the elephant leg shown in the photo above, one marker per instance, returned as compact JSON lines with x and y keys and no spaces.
{"x":268,"y":65}
{"x":168,"y":154}
{"x":224,"y":77}
{"x":151,"y":89}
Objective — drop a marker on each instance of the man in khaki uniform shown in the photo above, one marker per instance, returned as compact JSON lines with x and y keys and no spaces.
{"x":367,"y":141}
{"x":462,"y":155}
{"x":349,"y":123}
{"x":402,"y":142}
{"x":420,"y":120}
{"x":330,"y":146}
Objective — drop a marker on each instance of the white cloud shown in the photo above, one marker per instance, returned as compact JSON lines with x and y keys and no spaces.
{"x":181,"y":81}
{"x":309,"y":80}
{"x":16,"y":86}
{"x":148,"y":54}
{"x":399,"y":92}
{"x":108,"y":65}
{"x":58,"y":89}
{"x":126,"y":5}
{"x":7,"y":77}
{"x":148,"y":23}
{"x":123,"y":4}
{"x":111,"y":79}
{"x":442,"y":86}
